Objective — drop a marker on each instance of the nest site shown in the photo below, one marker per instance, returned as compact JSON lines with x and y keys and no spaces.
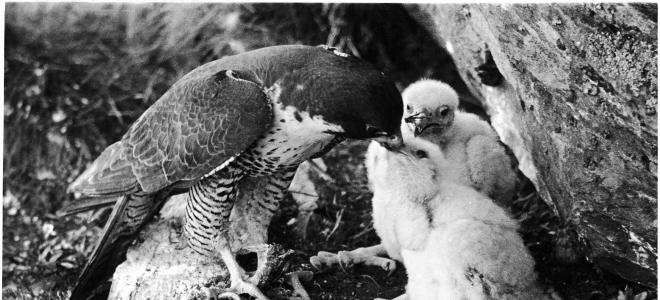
{"x":77,"y":75}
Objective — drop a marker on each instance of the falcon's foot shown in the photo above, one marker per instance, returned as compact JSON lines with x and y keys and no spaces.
{"x":238,"y":284}
{"x":242,"y":287}
{"x":270,"y":260}
{"x":370,"y":256}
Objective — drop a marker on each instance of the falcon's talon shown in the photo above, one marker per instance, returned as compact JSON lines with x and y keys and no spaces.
{"x":239,"y":287}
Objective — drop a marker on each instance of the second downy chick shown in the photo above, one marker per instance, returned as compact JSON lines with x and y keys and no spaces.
{"x":455,"y":242}
{"x":472,"y":148}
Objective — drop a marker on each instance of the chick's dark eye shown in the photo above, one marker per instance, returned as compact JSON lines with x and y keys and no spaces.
{"x":407,"y":107}
{"x":421,"y":154}
{"x":444,"y":112}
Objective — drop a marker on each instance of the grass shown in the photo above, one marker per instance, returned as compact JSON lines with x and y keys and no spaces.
{"x":77,"y":75}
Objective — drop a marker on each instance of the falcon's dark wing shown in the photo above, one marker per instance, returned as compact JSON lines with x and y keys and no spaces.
{"x":193,"y":128}
{"x":196,"y":126}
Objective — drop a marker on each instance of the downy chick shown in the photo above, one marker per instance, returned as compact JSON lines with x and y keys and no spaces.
{"x":472,"y":148}
{"x":464,"y":246}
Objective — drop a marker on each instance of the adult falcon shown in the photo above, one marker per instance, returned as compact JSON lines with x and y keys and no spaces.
{"x":262,"y":112}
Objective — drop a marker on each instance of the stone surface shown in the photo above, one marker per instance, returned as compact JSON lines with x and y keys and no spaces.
{"x":577,"y":104}
{"x":159,"y":266}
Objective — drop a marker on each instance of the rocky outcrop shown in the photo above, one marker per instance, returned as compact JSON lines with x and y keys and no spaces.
{"x":572,"y":89}
{"x":161,"y":266}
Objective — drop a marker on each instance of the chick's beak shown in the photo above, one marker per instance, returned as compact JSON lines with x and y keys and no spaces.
{"x":418,"y":121}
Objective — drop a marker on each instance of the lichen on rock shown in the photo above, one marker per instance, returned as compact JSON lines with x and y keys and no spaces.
{"x":578,"y":108}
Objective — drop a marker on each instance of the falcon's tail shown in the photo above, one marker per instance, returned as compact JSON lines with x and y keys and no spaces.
{"x":128,"y":215}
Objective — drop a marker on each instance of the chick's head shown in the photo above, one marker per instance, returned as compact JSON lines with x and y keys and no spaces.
{"x":413,"y":170}
{"x":429,"y":107}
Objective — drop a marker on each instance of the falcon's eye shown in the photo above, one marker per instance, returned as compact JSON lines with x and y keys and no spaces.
{"x":421,"y":154}
{"x":222,"y":75}
{"x":374,"y":131}
{"x":236,"y":75}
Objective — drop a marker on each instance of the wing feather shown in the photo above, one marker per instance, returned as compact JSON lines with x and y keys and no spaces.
{"x":202,"y":121}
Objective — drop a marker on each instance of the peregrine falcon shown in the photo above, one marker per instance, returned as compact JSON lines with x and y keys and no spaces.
{"x":262,"y":112}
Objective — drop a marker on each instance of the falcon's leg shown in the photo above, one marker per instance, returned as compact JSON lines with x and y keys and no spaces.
{"x":263,"y":209}
{"x":208,"y":208}
{"x":369,"y":256}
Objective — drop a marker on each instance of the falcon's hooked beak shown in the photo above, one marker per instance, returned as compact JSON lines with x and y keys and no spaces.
{"x":439,"y":119}
{"x":392,"y":142}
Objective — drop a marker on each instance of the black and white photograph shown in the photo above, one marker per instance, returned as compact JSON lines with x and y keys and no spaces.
{"x":330,"y":151}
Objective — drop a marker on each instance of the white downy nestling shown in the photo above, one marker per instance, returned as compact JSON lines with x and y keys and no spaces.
{"x":455,"y":242}
{"x":473,"y":150}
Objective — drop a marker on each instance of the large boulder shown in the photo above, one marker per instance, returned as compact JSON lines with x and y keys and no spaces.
{"x":572,"y":89}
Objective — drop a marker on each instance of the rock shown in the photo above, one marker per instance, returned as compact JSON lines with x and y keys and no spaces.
{"x":160,"y":266}
{"x":577,"y":102}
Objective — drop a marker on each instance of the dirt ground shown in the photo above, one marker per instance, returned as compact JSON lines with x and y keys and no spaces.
{"x":74,"y":82}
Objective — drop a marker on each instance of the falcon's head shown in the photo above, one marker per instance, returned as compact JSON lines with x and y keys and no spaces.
{"x":430,"y":106}
{"x":359,"y":101}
